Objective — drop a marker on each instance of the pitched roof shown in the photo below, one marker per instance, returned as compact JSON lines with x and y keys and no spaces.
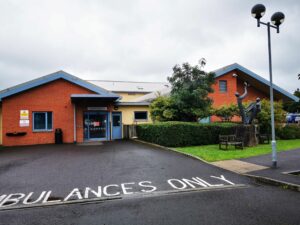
{"x":220,"y":72}
{"x":153,"y":95}
{"x":130,"y":86}
{"x":52,"y":77}
{"x":235,"y":66}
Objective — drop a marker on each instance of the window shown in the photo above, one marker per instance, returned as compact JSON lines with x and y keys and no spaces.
{"x":141,"y":115}
{"x":223,"y":85}
{"x":42,"y":121}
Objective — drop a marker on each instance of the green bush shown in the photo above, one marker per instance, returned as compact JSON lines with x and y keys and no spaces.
{"x":175,"y":134}
{"x":288,"y":132}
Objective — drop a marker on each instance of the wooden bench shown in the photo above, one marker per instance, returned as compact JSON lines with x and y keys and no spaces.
{"x":227,"y":140}
{"x":264,"y":139}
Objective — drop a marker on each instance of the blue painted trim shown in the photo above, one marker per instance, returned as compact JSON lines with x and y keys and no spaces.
{"x":107,"y":126}
{"x":121,"y":125}
{"x":52,"y":77}
{"x":236,"y":66}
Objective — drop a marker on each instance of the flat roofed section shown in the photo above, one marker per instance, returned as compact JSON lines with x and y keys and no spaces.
{"x":75,"y":97}
{"x":130,"y":86}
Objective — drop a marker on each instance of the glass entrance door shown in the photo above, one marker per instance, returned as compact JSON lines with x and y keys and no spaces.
{"x":95,"y":125}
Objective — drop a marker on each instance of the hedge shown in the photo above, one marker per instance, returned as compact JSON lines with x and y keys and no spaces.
{"x":288,"y":132}
{"x":176,"y":134}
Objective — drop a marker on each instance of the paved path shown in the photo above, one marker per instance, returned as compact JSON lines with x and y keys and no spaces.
{"x":238,"y":166}
{"x":288,"y":161}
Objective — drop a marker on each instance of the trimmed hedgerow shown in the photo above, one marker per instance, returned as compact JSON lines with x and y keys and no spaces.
{"x":288,"y":132}
{"x":176,"y":134}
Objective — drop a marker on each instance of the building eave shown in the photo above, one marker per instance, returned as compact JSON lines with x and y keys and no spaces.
{"x":236,"y":66}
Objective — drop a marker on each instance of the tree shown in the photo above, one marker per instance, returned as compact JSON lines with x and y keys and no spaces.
{"x":297,"y":93}
{"x":190,"y":89}
{"x":226,"y":112}
{"x":264,"y":117}
{"x":163,"y":109}
{"x":293,"y":107}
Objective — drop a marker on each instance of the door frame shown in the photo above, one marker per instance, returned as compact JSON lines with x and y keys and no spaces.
{"x":121,"y":125}
{"x":107,"y":126}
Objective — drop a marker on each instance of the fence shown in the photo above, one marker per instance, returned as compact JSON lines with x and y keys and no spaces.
{"x":129,"y":131}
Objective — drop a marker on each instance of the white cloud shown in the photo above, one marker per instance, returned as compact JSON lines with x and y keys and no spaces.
{"x":142,"y":40}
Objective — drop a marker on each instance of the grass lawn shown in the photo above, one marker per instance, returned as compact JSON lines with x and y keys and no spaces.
{"x":212,"y":153}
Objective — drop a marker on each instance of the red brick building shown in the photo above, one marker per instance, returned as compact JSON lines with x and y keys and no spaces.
{"x":30,"y":112}
{"x":231,"y":79}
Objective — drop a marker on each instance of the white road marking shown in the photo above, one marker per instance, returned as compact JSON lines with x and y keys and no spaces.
{"x":111,"y":190}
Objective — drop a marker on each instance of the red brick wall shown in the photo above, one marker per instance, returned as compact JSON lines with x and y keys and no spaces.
{"x":80,"y":109}
{"x":233,"y":85}
{"x":54,"y":97}
{"x":224,"y":98}
{"x":253,"y":93}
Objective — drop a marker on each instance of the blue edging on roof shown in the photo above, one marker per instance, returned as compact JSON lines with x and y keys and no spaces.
{"x":236,"y":66}
{"x":52,"y":77}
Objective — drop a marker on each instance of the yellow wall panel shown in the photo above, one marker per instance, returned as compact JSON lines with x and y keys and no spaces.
{"x":128,"y":114}
{"x":126,"y":97}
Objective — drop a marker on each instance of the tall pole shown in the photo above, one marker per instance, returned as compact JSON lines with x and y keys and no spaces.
{"x":274,"y":153}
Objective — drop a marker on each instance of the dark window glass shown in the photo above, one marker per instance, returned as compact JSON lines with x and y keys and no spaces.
{"x":140,"y":115}
{"x":42,"y":121}
{"x":49,"y":120}
{"x":223,"y":85}
{"x":116,"y":120}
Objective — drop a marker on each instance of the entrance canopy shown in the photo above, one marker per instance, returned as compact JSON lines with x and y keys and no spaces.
{"x":92,"y":97}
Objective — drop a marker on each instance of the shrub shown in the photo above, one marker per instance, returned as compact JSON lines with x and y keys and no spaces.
{"x":264,"y":117}
{"x":288,"y":132}
{"x":175,"y":134}
{"x":226,"y":112}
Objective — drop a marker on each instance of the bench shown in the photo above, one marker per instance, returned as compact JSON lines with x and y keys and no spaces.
{"x":227,"y":140}
{"x":264,"y":139}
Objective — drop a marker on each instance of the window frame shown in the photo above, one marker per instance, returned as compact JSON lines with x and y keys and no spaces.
{"x":46,"y":122}
{"x":140,"y":119}
{"x":223,"y":81}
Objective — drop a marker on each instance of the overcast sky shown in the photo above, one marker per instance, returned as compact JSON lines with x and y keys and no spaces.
{"x":143,"y":40}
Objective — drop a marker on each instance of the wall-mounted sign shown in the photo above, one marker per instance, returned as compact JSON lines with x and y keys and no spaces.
{"x":24,"y":114}
{"x":96,"y":108}
{"x":24,"y":123}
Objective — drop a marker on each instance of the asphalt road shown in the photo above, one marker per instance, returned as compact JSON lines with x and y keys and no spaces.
{"x":118,"y":168}
{"x":61,"y":169}
{"x":248,"y":206}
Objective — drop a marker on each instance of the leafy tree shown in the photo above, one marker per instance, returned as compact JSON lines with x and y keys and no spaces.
{"x":163,"y":109}
{"x":264,"y":117}
{"x":190,"y":89}
{"x":226,"y":112}
{"x":293,"y":106}
{"x":297,"y":93}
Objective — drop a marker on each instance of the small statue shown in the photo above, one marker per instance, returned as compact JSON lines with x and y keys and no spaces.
{"x":251,"y":111}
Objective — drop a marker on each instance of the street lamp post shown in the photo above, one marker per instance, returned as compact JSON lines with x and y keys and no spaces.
{"x":258,"y":11}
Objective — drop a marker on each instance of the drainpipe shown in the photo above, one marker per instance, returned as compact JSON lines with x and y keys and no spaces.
{"x":74,"y":123}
